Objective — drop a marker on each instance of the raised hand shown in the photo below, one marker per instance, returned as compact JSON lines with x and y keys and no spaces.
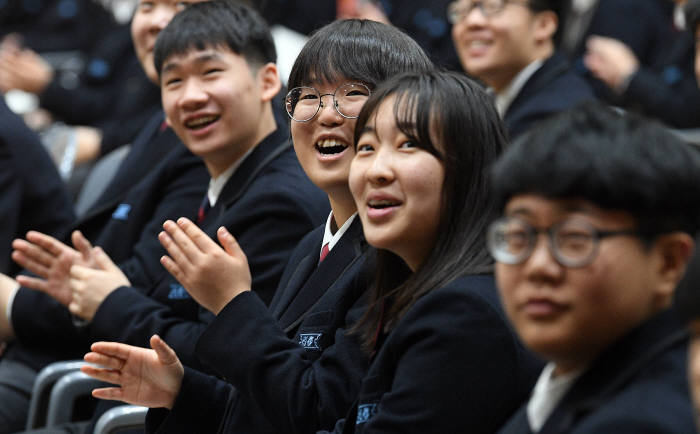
{"x":49,"y":259}
{"x":150,"y":378}
{"x":90,"y":286}
{"x":213,"y":276}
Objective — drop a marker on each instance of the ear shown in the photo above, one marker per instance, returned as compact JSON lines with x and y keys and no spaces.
{"x":673,"y":251}
{"x":546,"y":23}
{"x":269,"y":80}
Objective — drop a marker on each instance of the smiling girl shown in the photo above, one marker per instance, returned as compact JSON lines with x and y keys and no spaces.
{"x":443,"y":356}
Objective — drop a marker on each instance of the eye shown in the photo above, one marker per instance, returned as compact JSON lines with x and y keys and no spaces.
{"x":407,"y":145}
{"x":364,"y":147}
{"x":171,"y":81}
{"x":212,"y":71}
{"x":145,"y":5}
{"x":181,"y":5}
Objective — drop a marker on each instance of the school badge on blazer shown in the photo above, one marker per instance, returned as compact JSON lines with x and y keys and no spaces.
{"x":122,"y":212}
{"x":310,"y":341}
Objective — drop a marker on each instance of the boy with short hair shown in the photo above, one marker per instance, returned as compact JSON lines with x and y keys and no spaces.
{"x":509,"y":45}
{"x":599,"y":216}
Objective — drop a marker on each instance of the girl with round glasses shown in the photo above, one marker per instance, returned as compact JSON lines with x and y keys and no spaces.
{"x":443,"y":357}
{"x":292,"y":368}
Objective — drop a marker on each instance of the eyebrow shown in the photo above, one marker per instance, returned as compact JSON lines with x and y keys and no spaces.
{"x":200,"y":59}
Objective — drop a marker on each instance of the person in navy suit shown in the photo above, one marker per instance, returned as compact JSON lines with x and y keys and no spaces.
{"x":599,"y":214}
{"x":510,"y":47}
{"x":34,"y":196}
{"x":293,"y":366}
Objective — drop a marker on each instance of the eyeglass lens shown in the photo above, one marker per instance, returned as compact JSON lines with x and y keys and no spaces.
{"x":303,"y":103}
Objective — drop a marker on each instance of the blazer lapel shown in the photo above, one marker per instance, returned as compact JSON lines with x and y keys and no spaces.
{"x":301,"y":274}
{"x":325,"y":275}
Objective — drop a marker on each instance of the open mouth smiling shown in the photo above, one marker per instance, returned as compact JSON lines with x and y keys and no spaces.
{"x":330,"y":146}
{"x":201,"y":122}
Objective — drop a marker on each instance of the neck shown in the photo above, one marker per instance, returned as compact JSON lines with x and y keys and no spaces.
{"x":343,"y":206}
{"x":499,"y":82}
{"x":218,"y":163}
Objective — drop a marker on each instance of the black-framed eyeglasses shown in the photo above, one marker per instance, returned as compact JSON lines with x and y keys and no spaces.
{"x":573,"y":243}
{"x":458,"y":10}
{"x":302,"y":103}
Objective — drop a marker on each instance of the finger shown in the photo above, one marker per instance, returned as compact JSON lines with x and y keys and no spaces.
{"x":75,"y":308}
{"x":27,"y":263}
{"x":114,"y":349}
{"x":103,"y":360}
{"x":165,"y":354}
{"x":172,"y":268}
{"x":47,"y":242}
{"x":176,"y":254}
{"x":33,"y":283}
{"x":229,"y":243}
{"x":196,"y":235}
{"x":188,"y":248}
{"x":109,"y":393}
{"x":108,"y":375}
{"x":79,"y":273}
{"x":103,"y":261}
{"x":33,"y":252}
{"x":81,"y":244}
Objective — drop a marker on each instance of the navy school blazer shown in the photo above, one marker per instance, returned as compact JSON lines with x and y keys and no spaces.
{"x":639,"y":385}
{"x":452,"y":364}
{"x":553,"y":88}
{"x":295,"y":368}
{"x":160,"y":179}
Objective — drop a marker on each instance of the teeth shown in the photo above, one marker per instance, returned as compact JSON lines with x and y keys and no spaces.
{"x":384,"y":203}
{"x":330,"y":143}
{"x":478,"y":44}
{"x":201,"y":121}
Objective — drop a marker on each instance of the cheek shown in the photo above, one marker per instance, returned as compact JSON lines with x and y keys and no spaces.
{"x":356,"y":180}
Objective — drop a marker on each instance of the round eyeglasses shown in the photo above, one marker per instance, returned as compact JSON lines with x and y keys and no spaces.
{"x":573,"y":243}
{"x":457,"y":10}
{"x":304,"y":102}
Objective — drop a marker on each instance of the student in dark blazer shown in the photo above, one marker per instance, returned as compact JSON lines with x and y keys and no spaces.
{"x":510,"y":47}
{"x":619,"y":203}
{"x":300,"y":370}
{"x":33,"y":193}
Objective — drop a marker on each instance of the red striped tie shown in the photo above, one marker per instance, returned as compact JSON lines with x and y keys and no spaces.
{"x":324,"y":252}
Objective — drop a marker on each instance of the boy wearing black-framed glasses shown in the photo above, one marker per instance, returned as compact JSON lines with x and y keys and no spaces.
{"x":599,"y":215}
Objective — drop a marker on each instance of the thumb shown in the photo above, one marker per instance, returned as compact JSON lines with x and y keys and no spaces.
{"x":103,"y":261}
{"x":166,"y":355}
{"x":229,"y":243}
{"x":81,"y":244}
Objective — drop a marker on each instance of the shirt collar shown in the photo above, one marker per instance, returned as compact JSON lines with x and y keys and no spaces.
{"x":506,"y":97}
{"x":546,"y":395}
{"x":329,"y":237}
{"x":216,"y":185}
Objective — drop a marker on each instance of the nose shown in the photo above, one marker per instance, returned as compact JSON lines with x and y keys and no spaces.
{"x":380,"y":168}
{"x":160,"y":18}
{"x":475,"y":16}
{"x":541,"y":265}
{"x":327,"y":113}
{"x":193,"y":95}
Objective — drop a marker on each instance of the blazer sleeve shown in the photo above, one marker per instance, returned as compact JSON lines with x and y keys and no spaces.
{"x":456,"y":365}
{"x":298,"y":390}
{"x":200,"y":406}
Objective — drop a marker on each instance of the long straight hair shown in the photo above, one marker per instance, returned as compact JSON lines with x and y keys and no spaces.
{"x":451,"y":117}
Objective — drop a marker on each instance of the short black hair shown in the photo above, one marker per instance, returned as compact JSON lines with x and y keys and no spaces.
{"x":546,"y":5}
{"x":692,"y":15}
{"x":215,"y":23}
{"x":355,"y":49}
{"x":618,"y":161}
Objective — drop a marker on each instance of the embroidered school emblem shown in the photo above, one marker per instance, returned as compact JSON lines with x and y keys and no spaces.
{"x":177,"y":292}
{"x":365,"y":412}
{"x":310,"y":341}
{"x":122,"y":212}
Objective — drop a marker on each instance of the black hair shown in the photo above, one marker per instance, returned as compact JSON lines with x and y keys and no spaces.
{"x":451,"y":117}
{"x":215,"y":23}
{"x":546,"y":5}
{"x":355,"y":49}
{"x":616,"y":161}
{"x":692,"y":15}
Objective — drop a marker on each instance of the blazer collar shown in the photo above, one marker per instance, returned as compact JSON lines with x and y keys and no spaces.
{"x":552,"y":67}
{"x":322,"y":277}
{"x":615,"y":368}
{"x":262,"y":155}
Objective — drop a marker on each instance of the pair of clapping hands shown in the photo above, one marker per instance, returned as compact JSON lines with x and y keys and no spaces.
{"x":81,"y":277}
{"x":149,"y":377}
